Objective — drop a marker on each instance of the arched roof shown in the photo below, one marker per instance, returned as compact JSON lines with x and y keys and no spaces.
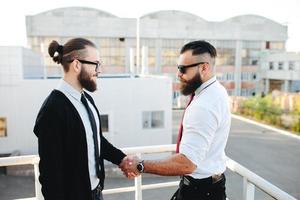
{"x":251,"y":19}
{"x":172,"y":15}
{"x":81,"y":11}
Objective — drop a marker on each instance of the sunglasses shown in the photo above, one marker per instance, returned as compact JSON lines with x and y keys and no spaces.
{"x":182,"y":68}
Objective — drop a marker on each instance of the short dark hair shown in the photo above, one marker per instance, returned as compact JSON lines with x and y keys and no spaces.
{"x":64,"y":51}
{"x":199,"y":47}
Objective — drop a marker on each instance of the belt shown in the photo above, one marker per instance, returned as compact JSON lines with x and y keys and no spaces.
{"x":97,"y":191}
{"x":190,"y":181}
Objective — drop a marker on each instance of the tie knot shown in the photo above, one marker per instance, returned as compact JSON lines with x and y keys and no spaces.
{"x":83,"y":99}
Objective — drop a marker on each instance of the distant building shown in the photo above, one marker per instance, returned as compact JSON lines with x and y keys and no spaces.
{"x":239,"y":41}
{"x":280,"y":71}
{"x":17,"y":63}
{"x":135,"y":111}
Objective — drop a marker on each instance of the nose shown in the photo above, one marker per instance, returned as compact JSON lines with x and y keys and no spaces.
{"x":179,"y":74}
{"x":99,"y":70}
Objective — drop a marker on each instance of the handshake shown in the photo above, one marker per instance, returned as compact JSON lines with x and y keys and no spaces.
{"x":129,"y":166}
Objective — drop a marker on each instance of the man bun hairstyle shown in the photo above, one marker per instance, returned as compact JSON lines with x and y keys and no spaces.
{"x":55,"y":50}
{"x":64,"y":54}
{"x":199,"y":47}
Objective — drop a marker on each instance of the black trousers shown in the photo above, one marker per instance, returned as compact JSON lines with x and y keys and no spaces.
{"x":201,"y":189}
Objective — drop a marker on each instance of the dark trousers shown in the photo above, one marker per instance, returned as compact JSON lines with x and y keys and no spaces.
{"x":97,"y":193}
{"x":201,"y":189}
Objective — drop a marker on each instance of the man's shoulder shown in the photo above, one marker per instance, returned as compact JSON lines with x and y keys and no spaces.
{"x":55,"y":99}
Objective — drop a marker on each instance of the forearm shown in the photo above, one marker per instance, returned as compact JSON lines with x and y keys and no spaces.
{"x":175,"y":165}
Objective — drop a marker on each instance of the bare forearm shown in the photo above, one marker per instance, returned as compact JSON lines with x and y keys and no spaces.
{"x":174,"y":166}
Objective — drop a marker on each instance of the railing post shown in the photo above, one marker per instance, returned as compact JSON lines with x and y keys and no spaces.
{"x":38,"y":191}
{"x":248,"y":190}
{"x":138,"y":184}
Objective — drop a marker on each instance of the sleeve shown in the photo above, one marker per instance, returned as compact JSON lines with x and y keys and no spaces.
{"x":200,"y":125}
{"x":110,"y":152}
{"x":49,"y":132}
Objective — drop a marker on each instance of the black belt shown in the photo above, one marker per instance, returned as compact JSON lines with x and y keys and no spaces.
{"x":97,"y":191}
{"x":190,"y":181}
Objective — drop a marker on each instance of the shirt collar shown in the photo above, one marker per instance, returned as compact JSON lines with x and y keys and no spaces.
{"x":66,"y":87}
{"x":206,"y":83}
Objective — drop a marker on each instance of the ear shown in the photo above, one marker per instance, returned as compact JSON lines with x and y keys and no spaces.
{"x":76,"y":65}
{"x":205,"y":68}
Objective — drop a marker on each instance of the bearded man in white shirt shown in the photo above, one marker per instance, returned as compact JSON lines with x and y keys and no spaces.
{"x":200,"y":155}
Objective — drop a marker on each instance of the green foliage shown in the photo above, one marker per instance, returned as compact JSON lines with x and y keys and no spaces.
{"x":261,"y":108}
{"x":267,"y":109}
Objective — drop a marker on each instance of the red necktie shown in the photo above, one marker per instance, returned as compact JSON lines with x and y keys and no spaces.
{"x":181,"y":126}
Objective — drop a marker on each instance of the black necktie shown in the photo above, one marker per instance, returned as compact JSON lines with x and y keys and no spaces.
{"x":95,"y":138}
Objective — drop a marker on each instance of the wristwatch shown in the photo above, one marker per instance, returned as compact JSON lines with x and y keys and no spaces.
{"x":140,"y":166}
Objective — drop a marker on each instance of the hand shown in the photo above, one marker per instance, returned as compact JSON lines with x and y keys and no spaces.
{"x":128,"y":166}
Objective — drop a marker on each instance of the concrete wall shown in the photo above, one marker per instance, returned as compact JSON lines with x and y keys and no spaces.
{"x":124,"y":99}
{"x":17,"y":63}
{"x":168,"y":24}
{"x":282,"y":70}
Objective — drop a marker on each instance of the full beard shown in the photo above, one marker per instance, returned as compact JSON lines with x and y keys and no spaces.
{"x":86,"y":81}
{"x":190,"y":86}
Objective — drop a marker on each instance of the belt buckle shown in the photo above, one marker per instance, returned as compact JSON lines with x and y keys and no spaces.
{"x":216,"y":178}
{"x":99,"y":188}
{"x":186,"y":181}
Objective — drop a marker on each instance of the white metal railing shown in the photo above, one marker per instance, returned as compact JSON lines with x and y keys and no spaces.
{"x":250,"y":179}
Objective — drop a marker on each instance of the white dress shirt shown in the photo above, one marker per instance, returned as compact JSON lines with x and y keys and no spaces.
{"x":75,"y":97}
{"x":206,"y":126}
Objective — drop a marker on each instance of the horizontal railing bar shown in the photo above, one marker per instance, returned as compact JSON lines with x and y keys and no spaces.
{"x":144,"y":187}
{"x":258,"y":181}
{"x":232,"y":165}
{"x":150,"y":149}
{"x":19,"y":160}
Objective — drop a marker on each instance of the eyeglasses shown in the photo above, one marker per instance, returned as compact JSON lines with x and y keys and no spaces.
{"x":97,"y":64}
{"x":182,"y":68}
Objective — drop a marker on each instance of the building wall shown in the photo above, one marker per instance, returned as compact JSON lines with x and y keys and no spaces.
{"x":17,"y":63}
{"x":239,"y":40}
{"x":10,"y":65}
{"x":280,"y":71}
{"x":123,"y":99}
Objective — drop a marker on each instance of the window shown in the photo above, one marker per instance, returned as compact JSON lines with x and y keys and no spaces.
{"x":280,"y":65}
{"x":104,"y":123}
{"x":267,"y":45}
{"x":153,"y":119}
{"x":271,"y":65}
{"x":229,"y":77}
{"x":254,"y":62}
{"x":291,"y":65}
{"x":3,"y":127}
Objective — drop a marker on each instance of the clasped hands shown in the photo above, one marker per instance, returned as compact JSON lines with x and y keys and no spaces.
{"x":128,"y":166}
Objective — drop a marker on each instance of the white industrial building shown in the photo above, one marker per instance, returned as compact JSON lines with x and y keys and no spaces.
{"x":239,"y":41}
{"x":135,"y":110}
{"x":280,"y":71}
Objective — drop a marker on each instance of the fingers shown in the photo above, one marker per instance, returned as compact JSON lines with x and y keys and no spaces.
{"x":128,"y":166}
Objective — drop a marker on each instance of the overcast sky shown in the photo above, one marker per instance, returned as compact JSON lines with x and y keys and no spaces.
{"x":287,"y":12}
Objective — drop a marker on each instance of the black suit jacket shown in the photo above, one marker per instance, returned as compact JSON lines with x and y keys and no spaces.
{"x":63,"y":153}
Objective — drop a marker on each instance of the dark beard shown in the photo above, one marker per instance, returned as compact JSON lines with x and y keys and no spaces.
{"x":190,"y":86}
{"x":86,"y":81}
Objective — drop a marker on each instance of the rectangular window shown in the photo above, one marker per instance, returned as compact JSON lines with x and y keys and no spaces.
{"x":3,"y":127}
{"x":153,"y":119}
{"x":104,"y":123}
{"x":280,"y":65}
{"x":267,"y":45}
{"x":291,"y":65}
{"x":271,"y":65}
{"x":254,"y":62}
